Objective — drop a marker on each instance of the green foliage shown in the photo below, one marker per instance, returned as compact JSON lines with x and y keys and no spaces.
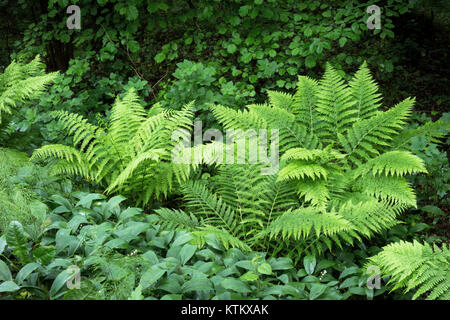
{"x":270,"y":42}
{"x":251,"y":45}
{"x":415,"y":266}
{"x":20,"y":83}
{"x":131,"y":156}
{"x":195,"y":81}
{"x":421,"y":140}
{"x":23,"y":188}
{"x":337,"y":148}
{"x":237,"y":205}
{"x":349,"y":167}
{"x":122,"y":254}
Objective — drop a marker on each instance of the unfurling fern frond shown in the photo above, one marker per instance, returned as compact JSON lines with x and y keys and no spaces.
{"x":414,"y":266}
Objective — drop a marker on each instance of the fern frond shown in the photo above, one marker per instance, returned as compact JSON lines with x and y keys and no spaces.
{"x":299,"y":169}
{"x":417,"y":266}
{"x":392,"y":189}
{"x":302,"y":222}
{"x":208,"y":205}
{"x":334,"y":105}
{"x":365,"y":93}
{"x":314,"y":191}
{"x":236,"y":119}
{"x":280,"y":100}
{"x":132,"y":157}
{"x":127,"y":173}
{"x":369,"y":216}
{"x":177,"y":219}
{"x":22,"y":82}
{"x":227,"y":239}
{"x":304,"y":106}
{"x":393,"y":163}
{"x":368,"y":137}
{"x":432,"y":131}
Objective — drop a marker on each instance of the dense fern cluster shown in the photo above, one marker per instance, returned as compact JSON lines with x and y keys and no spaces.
{"x":420,"y":267}
{"x":342,"y":177}
{"x":132,"y":156}
{"x":20,"y":83}
{"x":337,"y":150}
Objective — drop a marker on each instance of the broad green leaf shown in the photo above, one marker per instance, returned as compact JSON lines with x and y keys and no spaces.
{"x":133,"y":46}
{"x":5,"y":274}
{"x":9,"y":286}
{"x":249,"y":276}
{"x":160,"y":57}
{"x":58,"y":283}
{"x":23,"y":274}
{"x":151,"y":257}
{"x":282,"y":264}
{"x":182,"y":239}
{"x":350,"y":282}
{"x":151,"y":276}
{"x":187,"y":252}
{"x":235,"y":285}
{"x":316,"y":290}
{"x":197,"y":285}
{"x":349,"y":271}
{"x":136,"y":294}
{"x":310,"y":61}
{"x":86,"y":201}
{"x":309,"y":262}
{"x":265,"y":268}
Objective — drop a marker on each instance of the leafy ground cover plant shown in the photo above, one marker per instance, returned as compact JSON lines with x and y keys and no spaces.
{"x":24,"y":187}
{"x":122,"y":254}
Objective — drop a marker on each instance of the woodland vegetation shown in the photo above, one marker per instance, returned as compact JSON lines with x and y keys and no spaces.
{"x":93,"y":205}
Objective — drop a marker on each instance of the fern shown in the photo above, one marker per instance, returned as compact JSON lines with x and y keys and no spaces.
{"x":132,"y":157}
{"x":341,"y":153}
{"x":414,"y":266}
{"x":22,"y":82}
{"x":236,"y":207}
